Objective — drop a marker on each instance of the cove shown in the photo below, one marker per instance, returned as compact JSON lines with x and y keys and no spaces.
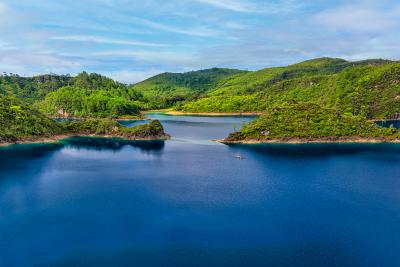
{"x":190,"y":202}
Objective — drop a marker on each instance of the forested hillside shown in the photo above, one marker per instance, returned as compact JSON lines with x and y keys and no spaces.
{"x":308,"y":122}
{"x":367,"y":88}
{"x":18,"y":120}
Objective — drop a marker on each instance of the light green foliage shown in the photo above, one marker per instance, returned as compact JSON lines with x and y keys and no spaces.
{"x":368,"y":88}
{"x":81,"y":102}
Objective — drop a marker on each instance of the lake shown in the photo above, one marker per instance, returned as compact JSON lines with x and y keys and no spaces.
{"x":191,"y":202}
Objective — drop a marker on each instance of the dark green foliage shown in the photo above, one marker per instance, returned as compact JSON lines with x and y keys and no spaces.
{"x":112,"y":128}
{"x":309,"y":120}
{"x":18,"y":121}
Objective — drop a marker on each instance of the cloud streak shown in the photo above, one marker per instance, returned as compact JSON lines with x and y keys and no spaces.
{"x":100,"y":40}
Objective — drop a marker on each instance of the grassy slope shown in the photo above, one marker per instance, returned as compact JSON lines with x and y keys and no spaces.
{"x":370,"y":88}
{"x":310,"y":121}
{"x":166,"y":89}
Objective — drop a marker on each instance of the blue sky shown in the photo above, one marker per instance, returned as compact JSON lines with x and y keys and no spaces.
{"x":132,"y":40}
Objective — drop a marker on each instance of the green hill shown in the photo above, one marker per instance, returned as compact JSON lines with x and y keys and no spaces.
{"x":164,"y":90}
{"x":310,"y":122}
{"x":370,"y":88}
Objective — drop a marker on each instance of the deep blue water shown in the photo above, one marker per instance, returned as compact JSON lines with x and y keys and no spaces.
{"x":190,"y":202}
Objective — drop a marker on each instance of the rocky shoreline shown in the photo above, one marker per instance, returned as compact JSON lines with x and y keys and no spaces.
{"x":322,"y":140}
{"x":57,"y":138}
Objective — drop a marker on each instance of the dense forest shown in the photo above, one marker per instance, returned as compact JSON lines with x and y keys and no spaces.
{"x":308,"y":121}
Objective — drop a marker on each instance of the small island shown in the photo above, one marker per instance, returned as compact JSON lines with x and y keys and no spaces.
{"x":310,"y":123}
{"x":24,"y":124}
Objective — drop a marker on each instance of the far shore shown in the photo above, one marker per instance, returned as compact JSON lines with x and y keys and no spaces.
{"x":57,"y":138}
{"x":324,"y":140}
{"x":210,"y":114}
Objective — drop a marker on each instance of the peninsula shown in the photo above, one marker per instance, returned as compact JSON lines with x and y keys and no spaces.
{"x":24,"y":124}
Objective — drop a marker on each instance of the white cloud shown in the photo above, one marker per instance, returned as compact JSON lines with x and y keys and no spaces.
{"x":94,"y":39}
{"x":161,"y":57}
{"x":194,"y":31}
{"x":233,"y":5}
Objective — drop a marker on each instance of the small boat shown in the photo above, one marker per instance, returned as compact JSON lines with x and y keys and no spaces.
{"x":238,"y":156}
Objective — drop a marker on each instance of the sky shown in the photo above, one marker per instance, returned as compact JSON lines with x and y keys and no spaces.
{"x":131,"y":40}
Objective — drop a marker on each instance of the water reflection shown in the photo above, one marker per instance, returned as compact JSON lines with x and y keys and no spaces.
{"x":114,"y":144}
{"x":319,"y":150}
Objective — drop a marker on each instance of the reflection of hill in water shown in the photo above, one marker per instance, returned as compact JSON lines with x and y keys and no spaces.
{"x":29,"y":151}
{"x":321,"y":150}
{"x":99,"y":144}
{"x":26,"y":160}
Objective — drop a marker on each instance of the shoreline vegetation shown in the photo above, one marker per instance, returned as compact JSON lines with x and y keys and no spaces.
{"x":58,"y":138}
{"x":23,"y":124}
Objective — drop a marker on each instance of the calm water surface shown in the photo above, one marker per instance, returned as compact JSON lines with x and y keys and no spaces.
{"x":190,"y":202}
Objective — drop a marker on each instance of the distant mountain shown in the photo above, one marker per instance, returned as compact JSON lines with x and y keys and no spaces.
{"x":37,"y":87}
{"x":166,"y":89}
